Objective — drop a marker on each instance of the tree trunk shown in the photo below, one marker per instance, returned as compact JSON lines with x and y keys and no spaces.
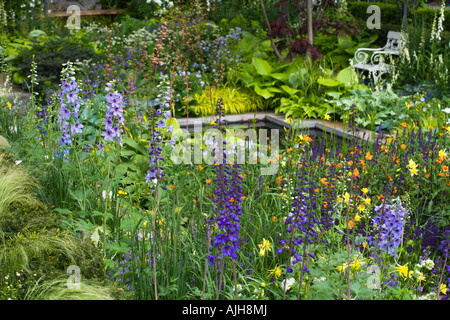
{"x":310,"y":27}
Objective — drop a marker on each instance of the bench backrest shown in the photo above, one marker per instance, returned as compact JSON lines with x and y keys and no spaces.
{"x":395,"y":41}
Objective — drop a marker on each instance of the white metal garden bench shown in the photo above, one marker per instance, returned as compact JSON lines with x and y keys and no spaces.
{"x":373,"y":59}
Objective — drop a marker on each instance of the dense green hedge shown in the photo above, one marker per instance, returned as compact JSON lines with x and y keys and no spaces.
{"x":392,"y":14}
{"x":427,"y":15}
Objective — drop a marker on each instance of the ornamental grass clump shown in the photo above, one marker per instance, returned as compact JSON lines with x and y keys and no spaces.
{"x":15,"y":184}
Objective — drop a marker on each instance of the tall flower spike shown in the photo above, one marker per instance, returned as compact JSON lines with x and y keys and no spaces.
{"x":113,"y":117}
{"x":68,"y":111}
{"x":227,"y":200}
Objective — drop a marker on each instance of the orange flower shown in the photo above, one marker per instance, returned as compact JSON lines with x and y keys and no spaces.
{"x":403,"y":146}
{"x":208,"y":181}
{"x":289,"y":150}
{"x":403,"y":124}
{"x":355,"y":172}
{"x":324,"y":181}
{"x":172,"y":187}
{"x":200,"y":167}
{"x":368,"y":156}
{"x":350,"y":223}
{"x":232,"y":199}
{"x":274,"y":219}
{"x":445,"y":168}
{"x":316,"y":190}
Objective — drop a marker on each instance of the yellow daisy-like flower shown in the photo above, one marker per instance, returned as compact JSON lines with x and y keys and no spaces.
{"x":8,"y":105}
{"x":326,"y":116}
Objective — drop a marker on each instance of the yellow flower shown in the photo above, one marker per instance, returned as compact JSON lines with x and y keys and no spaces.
{"x":8,"y":105}
{"x":402,"y":270}
{"x":420,"y":277}
{"x":443,"y":288}
{"x":365,"y":190}
{"x":326,"y":116}
{"x":442,"y":154}
{"x":264,"y":246}
{"x":358,"y":217}
{"x":356,"y":264}
{"x":346,"y":196}
{"x":367,"y":200}
{"x":276,"y":272}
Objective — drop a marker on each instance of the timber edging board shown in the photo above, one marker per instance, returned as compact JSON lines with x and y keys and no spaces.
{"x":86,"y":13}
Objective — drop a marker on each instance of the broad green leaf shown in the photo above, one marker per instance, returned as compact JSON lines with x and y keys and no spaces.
{"x":280,"y":76}
{"x":266,"y":94}
{"x":289,"y":90}
{"x":244,"y":76}
{"x":348,"y":76}
{"x":262,"y":66}
{"x":329,"y":82}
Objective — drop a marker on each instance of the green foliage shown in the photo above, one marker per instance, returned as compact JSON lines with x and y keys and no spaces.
{"x":50,"y":53}
{"x":297,"y":88}
{"x":339,"y":50}
{"x":373,"y":108}
{"x":236,"y":100}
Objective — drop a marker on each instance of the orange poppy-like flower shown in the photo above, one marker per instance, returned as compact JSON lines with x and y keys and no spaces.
{"x":316,"y":190}
{"x":355,"y":172}
{"x":350,"y":224}
{"x":445,"y":168}
{"x":403,"y":124}
{"x":274,"y":219}
{"x":324,"y":181}
{"x":172,"y":187}
{"x":232,"y":199}
{"x":403,"y":146}
{"x":289,"y":150}
{"x":200,"y":167}
{"x":368,"y":156}
{"x":208,"y":181}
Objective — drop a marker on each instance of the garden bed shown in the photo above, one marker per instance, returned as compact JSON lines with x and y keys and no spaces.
{"x":102,"y":196}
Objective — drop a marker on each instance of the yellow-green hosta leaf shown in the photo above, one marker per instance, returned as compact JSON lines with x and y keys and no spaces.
{"x":289,"y":90}
{"x":328,"y":82}
{"x":266,"y":94}
{"x":262,"y":66}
